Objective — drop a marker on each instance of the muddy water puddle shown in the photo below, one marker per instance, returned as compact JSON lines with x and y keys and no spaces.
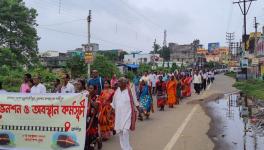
{"x":231,"y":127}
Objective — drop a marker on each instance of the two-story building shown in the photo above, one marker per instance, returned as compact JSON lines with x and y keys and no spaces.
{"x":139,"y":58}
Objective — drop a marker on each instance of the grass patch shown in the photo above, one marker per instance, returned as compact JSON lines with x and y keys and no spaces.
{"x":251,"y":88}
{"x":231,"y":74}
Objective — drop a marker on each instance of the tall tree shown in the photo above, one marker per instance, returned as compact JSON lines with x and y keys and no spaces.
{"x":76,"y":66}
{"x":105,"y":67}
{"x":122,"y":55}
{"x":156,"y":49}
{"x":17,"y":30}
{"x":165,"y":53}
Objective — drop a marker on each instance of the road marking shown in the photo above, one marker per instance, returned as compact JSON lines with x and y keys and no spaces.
{"x":177,"y":134}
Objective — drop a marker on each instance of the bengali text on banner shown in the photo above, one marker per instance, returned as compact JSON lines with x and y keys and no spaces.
{"x":42,"y":122}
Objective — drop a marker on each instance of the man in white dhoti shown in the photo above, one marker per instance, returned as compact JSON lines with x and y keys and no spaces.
{"x":122,"y":106}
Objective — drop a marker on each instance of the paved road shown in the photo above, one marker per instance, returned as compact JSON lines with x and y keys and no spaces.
{"x":182,"y":128}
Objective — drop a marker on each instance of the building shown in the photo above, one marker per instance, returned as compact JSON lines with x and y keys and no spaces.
{"x":224,"y":54}
{"x":260,"y":54}
{"x":54,"y":62}
{"x":184,"y":53}
{"x":213,"y":46}
{"x":202,"y":51}
{"x":138,"y":58}
{"x":49,"y":53}
{"x":95,"y":46}
{"x":77,"y":52}
{"x":212,"y":58}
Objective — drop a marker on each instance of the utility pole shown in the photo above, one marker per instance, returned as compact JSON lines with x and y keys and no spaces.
{"x":89,"y":19}
{"x":89,"y":25}
{"x":230,"y":37}
{"x":256,"y":32}
{"x":244,"y":12}
{"x":154,"y":52}
{"x":165,"y":39}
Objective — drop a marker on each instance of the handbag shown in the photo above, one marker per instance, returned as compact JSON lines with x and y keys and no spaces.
{"x":133,"y":112}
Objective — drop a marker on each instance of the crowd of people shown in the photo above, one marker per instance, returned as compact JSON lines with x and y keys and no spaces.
{"x":115,"y":104}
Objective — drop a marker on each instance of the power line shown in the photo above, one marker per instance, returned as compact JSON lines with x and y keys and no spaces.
{"x":69,"y":13}
{"x":244,"y":12}
{"x":140,"y":14}
{"x":230,"y":37}
{"x":61,"y":23}
{"x":229,"y":18}
{"x":85,"y":36}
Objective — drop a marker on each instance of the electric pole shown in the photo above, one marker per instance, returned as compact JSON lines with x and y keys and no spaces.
{"x":89,"y":25}
{"x":230,"y":37}
{"x":256,"y":32}
{"x":89,"y":19}
{"x":244,"y":10}
{"x":165,"y":38}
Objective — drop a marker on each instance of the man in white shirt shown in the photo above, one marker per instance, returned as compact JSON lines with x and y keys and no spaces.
{"x":153,"y":79}
{"x":197,"y":80}
{"x":204,"y":81}
{"x":38,"y":88}
{"x":67,"y":87}
{"x":145,"y":77}
{"x":122,"y":106}
{"x":212,"y":76}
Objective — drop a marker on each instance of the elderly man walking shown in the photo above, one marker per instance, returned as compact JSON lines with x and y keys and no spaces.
{"x":124,"y":102}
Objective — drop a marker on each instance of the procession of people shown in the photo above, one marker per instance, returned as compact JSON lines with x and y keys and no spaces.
{"x":114,"y":105}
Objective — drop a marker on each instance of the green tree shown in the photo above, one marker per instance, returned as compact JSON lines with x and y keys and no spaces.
{"x":144,"y":68}
{"x":110,"y":55}
{"x":105,"y":67}
{"x":130,"y":75}
{"x":76,"y":66}
{"x":17,"y":30}
{"x":165,"y":53}
{"x":122,"y":55}
{"x":174,"y":67}
{"x":8,"y":58}
{"x":156,"y":48}
{"x":12,"y":78}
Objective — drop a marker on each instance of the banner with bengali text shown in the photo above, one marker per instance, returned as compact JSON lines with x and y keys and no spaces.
{"x":42,"y":122}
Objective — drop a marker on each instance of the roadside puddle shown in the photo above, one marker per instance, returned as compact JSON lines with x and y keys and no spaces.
{"x":234,"y":126}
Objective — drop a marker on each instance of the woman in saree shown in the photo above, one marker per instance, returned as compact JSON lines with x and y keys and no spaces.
{"x":145,"y":99}
{"x":161,"y":93}
{"x":187,"y":86}
{"x":171,"y":91}
{"x":92,"y":131}
{"x":179,"y":89}
{"x":106,"y":116}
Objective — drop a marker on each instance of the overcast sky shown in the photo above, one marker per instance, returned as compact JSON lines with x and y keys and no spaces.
{"x":134,"y":24}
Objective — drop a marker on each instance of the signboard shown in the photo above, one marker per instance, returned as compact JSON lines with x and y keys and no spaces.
{"x":88,"y":57}
{"x":42,"y":122}
{"x":244,"y":63}
{"x":213,"y":46}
